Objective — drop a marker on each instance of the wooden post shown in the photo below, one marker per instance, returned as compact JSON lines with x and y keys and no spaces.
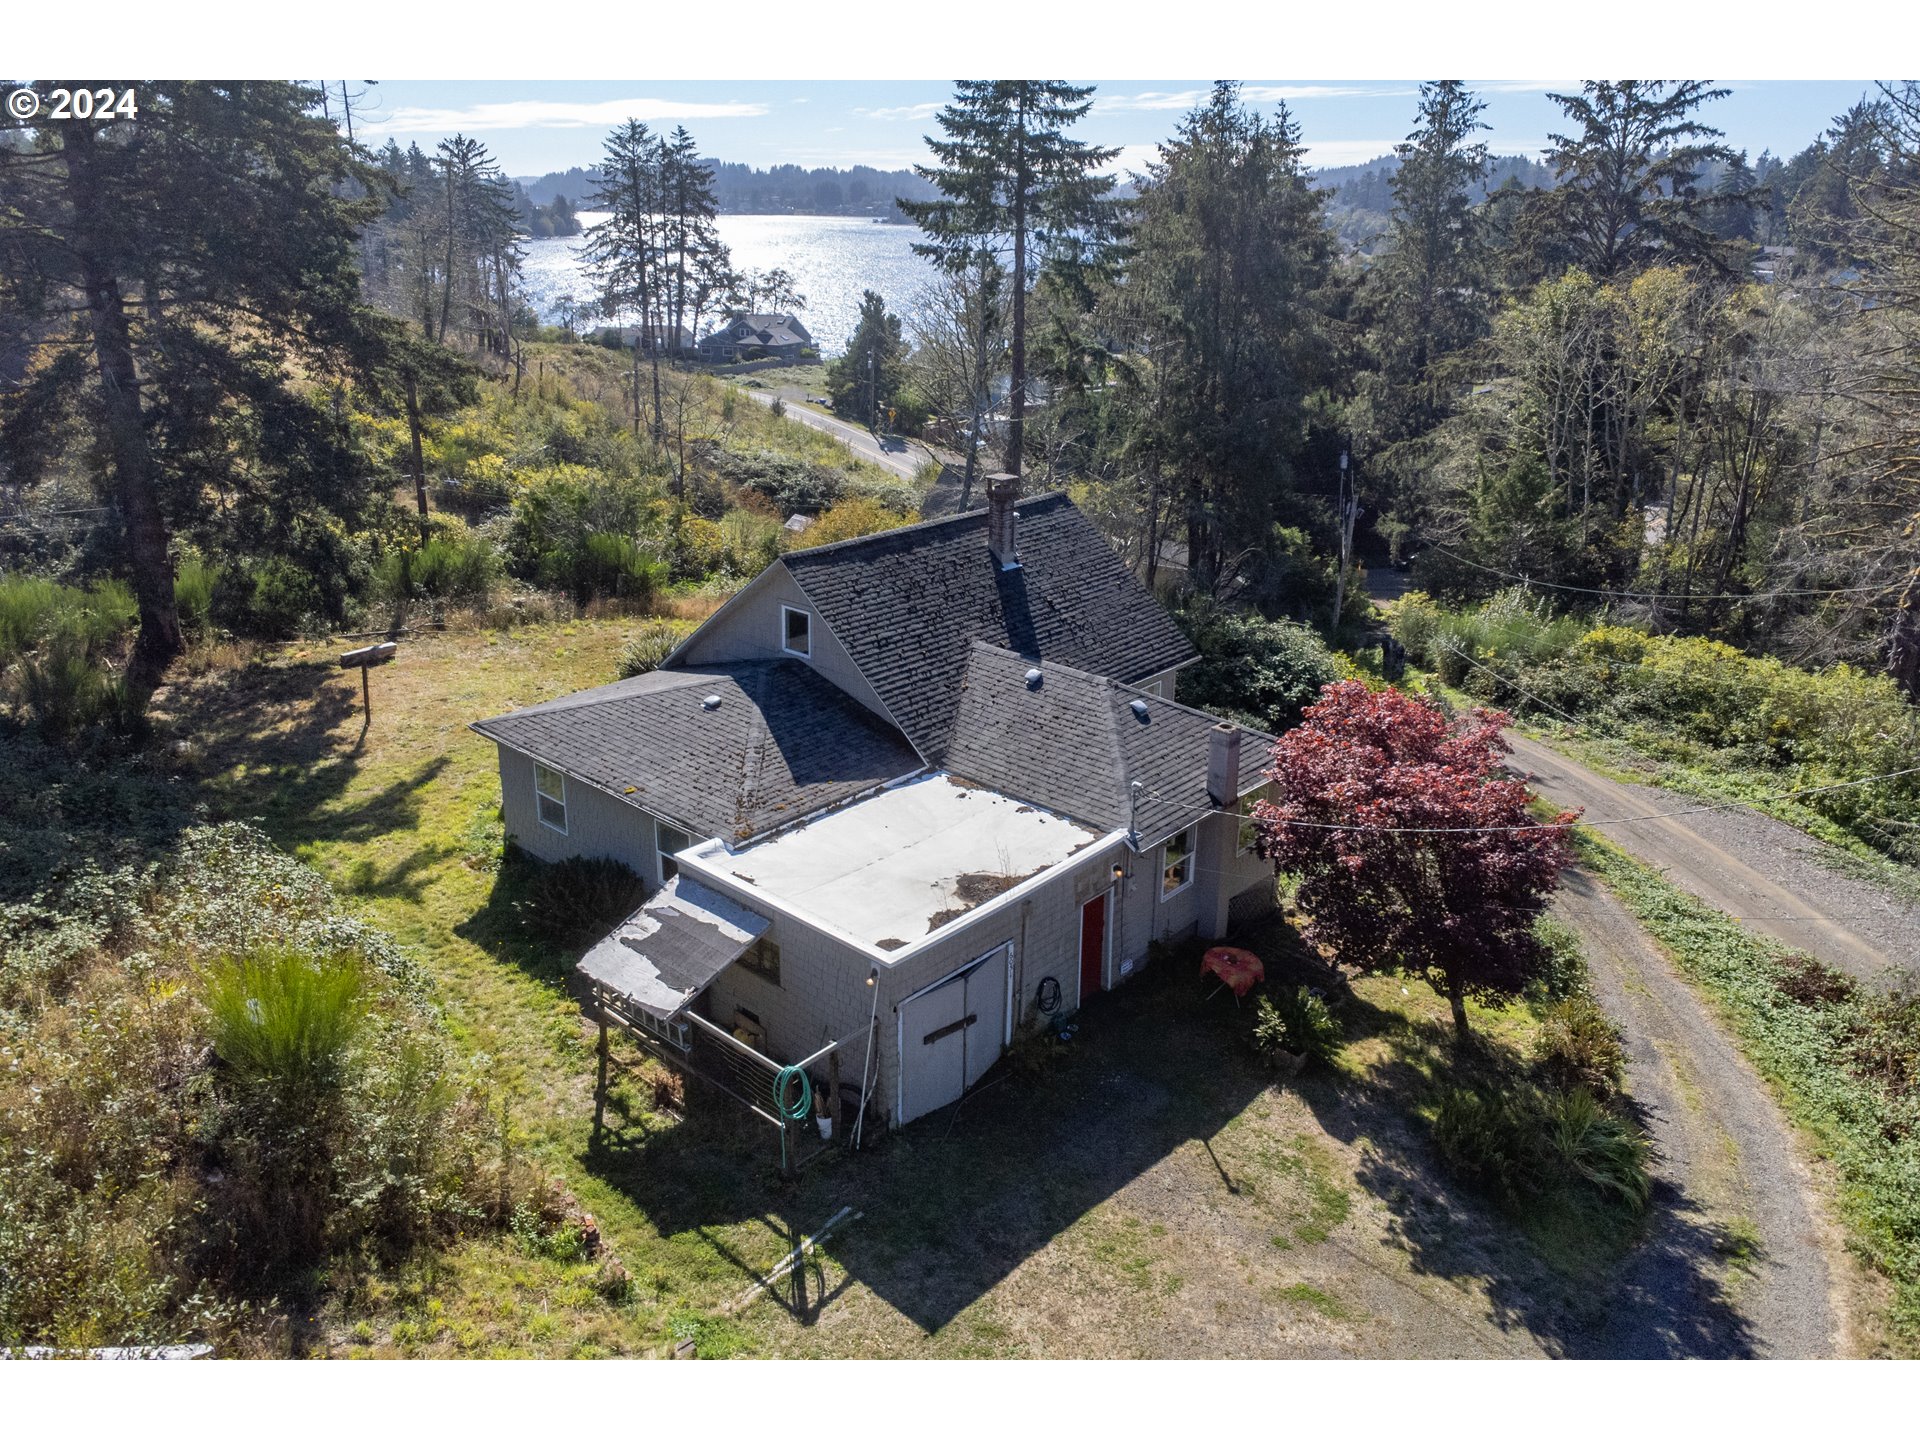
{"x":366,"y":693}
{"x":600,"y":1084}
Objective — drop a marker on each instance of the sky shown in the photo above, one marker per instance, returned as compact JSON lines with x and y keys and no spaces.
{"x":534,"y":127}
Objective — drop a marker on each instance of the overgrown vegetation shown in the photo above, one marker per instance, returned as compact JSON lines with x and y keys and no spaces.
{"x":220,"y":1091}
{"x":1842,"y":1057}
{"x":1699,"y":703}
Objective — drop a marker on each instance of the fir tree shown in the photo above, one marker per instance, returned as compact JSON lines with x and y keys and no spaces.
{"x":1013,"y":180}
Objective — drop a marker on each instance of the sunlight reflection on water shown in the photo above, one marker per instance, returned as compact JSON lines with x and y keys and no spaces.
{"x":831,"y":257}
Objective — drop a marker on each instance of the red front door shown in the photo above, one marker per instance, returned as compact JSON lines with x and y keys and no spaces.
{"x":1093,"y":945}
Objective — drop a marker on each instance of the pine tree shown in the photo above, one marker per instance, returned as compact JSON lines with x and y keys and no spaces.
{"x":864,"y":381}
{"x":1427,"y":297}
{"x":1220,"y":302}
{"x":1629,"y":181}
{"x":189,"y":281}
{"x":1012,"y":180}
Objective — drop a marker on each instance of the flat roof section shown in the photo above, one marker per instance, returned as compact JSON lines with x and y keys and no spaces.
{"x":897,"y":866}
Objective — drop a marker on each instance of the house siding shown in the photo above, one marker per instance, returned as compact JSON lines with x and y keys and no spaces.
{"x":823,"y":993}
{"x":748,"y":628}
{"x":598,"y":825}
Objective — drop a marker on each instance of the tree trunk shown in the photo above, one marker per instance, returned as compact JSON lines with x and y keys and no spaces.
{"x":130,"y":459}
{"x":419,"y":460}
{"x":1017,"y":395}
{"x":1457,"y":998}
{"x":1903,"y":653}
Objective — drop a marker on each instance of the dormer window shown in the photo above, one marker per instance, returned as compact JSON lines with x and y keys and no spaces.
{"x":796,"y":631}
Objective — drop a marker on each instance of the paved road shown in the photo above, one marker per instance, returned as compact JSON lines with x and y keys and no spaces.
{"x":902,"y":456}
{"x":1751,"y":877}
{"x":1733,"y":1263}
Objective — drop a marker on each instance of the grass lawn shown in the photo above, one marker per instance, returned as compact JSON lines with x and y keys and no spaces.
{"x":1148,"y":1189}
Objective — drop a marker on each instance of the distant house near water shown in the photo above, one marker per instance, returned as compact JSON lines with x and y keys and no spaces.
{"x":904,"y":798}
{"x":757,"y":337}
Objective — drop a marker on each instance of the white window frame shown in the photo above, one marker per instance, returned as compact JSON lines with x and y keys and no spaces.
{"x":540,"y":794}
{"x":787,"y":649}
{"x":1191,"y":835}
{"x":660,"y":853}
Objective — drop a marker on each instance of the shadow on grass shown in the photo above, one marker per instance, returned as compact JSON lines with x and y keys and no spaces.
{"x":280,"y":743}
{"x":1578,"y":1274}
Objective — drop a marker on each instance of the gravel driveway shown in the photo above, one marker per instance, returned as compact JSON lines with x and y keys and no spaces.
{"x":1764,"y":873}
{"x":1735,"y":1262}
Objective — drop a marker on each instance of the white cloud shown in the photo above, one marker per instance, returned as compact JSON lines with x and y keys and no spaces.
{"x":560,"y":114}
{"x":924,"y":111}
{"x":1523,"y":87}
{"x":1251,"y":94}
{"x":1322,"y":153}
{"x":1132,"y":159}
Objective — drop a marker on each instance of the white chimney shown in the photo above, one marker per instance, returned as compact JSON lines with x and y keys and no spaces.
{"x":1003,"y":490}
{"x":1223,"y":766}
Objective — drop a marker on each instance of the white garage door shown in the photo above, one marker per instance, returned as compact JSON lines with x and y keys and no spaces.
{"x":952,"y":1031}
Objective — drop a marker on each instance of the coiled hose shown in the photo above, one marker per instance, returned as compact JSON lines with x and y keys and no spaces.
{"x":797,"y":1110}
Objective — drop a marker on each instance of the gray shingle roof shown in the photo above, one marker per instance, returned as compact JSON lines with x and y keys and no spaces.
{"x":1075,"y":744}
{"x":783,"y":742}
{"x":907,"y":604}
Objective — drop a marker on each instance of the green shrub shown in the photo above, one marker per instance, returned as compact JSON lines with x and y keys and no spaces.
{"x":66,"y":690}
{"x":650,"y":645}
{"x":35,"y":612}
{"x":285,"y":1018}
{"x":1493,"y":1141}
{"x":193,"y":581}
{"x":1578,"y":1048}
{"x":1599,"y":1146}
{"x":454,"y":566}
{"x":275,"y":599}
{"x":1265,"y":670}
{"x":1295,"y":1019}
{"x":569,"y":902}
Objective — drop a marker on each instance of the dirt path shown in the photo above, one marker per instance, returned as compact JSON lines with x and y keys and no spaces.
{"x":1734,"y":1264}
{"x":1763,"y":873}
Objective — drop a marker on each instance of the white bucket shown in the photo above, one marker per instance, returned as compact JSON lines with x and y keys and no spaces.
{"x":826,"y":1126}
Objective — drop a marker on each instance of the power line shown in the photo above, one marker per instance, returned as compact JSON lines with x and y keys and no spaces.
{"x":1662,"y":595}
{"x":1543,"y":824}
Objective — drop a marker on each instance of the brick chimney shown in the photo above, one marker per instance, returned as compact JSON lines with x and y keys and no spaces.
{"x":1223,"y":766}
{"x":1003,"y":490}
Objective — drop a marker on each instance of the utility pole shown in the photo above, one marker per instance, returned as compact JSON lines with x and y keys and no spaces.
{"x":1349,"y":503}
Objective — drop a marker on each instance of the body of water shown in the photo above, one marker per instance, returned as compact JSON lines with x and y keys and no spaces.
{"x":831,"y":257}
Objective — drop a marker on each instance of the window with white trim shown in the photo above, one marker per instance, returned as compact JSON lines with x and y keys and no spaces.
{"x":796,"y":631}
{"x":670,"y":840}
{"x":1176,"y":869}
{"x":550,"y":796}
{"x":1249,"y":832}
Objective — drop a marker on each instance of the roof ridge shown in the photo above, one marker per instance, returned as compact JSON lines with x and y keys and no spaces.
{"x":920,"y":525}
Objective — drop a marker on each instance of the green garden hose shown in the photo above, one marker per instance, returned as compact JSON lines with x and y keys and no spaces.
{"x":799,"y":1109}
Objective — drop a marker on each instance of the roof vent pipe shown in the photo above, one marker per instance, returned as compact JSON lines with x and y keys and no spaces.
{"x":1223,"y":766}
{"x":1002,"y":491}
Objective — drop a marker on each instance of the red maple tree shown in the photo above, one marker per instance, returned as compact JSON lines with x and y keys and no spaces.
{"x":1435,"y":867}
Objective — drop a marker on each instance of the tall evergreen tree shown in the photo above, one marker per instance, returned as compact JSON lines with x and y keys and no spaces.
{"x":189,"y":286}
{"x":864,"y":381}
{"x":1427,"y":297}
{"x":1220,"y":303}
{"x":1012,"y":181}
{"x":1628,"y":192}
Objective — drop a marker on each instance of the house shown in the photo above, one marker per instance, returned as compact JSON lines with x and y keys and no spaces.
{"x":910,"y":795}
{"x":757,"y":337}
{"x":668,"y":339}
